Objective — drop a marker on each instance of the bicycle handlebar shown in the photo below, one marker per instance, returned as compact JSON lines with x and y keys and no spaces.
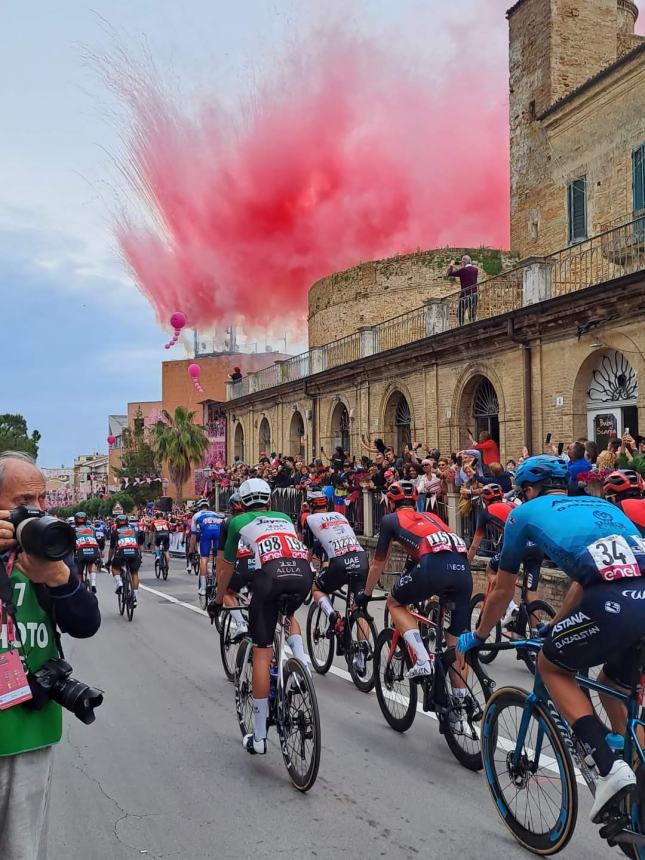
{"x":528,"y":644}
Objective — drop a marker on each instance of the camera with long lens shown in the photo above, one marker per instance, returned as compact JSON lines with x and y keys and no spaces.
{"x":53,"y":681}
{"x":41,"y":535}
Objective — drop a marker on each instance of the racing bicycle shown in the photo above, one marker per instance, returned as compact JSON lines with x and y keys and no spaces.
{"x":293,"y":706}
{"x":456,"y":696}
{"x":229,"y":638}
{"x":126,"y":597}
{"x":531,"y":755}
{"x":161,"y":563}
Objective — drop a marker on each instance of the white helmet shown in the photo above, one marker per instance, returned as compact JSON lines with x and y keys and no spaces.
{"x":255,"y":493}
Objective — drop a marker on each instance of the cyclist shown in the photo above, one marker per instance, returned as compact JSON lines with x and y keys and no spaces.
{"x":493,"y":515}
{"x":205,"y":526}
{"x":281,"y":567}
{"x":244,"y":568}
{"x":625,"y":489}
{"x":124,"y":547}
{"x":440,"y":566}
{"x":101,"y":531}
{"x":141,"y":533}
{"x":602,"y":616}
{"x":87,"y":547}
{"x":162,"y":537}
{"x":329,"y":536}
{"x":186,"y":525}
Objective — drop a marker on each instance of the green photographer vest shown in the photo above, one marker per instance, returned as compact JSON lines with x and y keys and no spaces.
{"x":22,"y":729}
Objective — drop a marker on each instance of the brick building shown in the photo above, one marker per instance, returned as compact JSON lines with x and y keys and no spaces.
{"x":557,"y":344}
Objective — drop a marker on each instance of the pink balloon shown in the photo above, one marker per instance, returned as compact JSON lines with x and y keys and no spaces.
{"x":194,"y":370}
{"x":178,"y":320}
{"x":111,"y":440}
{"x":167,"y":345}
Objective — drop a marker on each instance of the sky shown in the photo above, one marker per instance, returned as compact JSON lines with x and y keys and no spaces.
{"x":80,"y":339}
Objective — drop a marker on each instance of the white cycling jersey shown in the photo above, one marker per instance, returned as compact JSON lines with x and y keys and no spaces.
{"x":334,"y":534}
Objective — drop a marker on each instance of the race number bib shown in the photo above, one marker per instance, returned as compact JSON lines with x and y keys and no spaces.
{"x":614,"y":558}
{"x":344,"y":545}
{"x":276,"y":546}
{"x":445,"y":542}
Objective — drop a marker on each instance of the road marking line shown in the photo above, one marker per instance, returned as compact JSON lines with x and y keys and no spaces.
{"x":505,"y":743}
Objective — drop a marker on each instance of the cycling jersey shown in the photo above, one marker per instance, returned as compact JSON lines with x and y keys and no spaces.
{"x":590,"y":539}
{"x":206,"y":524}
{"x":86,"y":542}
{"x":329,"y":534}
{"x":635,"y":510}
{"x":161,"y":525}
{"x":124,"y":540}
{"x":269,"y":535}
{"x":418,"y":533}
{"x":494,"y":515}
{"x":244,"y":557}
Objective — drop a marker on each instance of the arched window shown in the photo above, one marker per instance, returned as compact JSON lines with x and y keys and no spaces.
{"x":238,"y":442}
{"x":398,"y":422}
{"x":340,"y":427}
{"x":297,"y":435}
{"x":612,"y":393}
{"x":486,"y":409}
{"x":264,"y":437}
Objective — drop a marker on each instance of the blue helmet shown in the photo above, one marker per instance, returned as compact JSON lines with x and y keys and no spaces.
{"x":543,"y":467}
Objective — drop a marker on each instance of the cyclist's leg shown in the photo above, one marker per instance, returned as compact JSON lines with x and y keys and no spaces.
{"x":532,"y":565}
{"x":263,"y":617}
{"x":135,"y":564}
{"x":92,"y":572}
{"x":298,"y":585}
{"x":117,"y":562}
{"x":327,"y":580}
{"x":204,"y":554}
{"x":166,"y":550}
{"x":491,"y":575}
{"x":231,"y":599}
{"x":157,"y":548}
{"x":412,"y":587}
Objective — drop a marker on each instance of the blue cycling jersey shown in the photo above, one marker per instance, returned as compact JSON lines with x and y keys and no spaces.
{"x":588,"y":538}
{"x":206,"y":522}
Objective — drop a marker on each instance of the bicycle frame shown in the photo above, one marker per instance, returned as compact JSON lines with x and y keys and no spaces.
{"x":421,"y":619}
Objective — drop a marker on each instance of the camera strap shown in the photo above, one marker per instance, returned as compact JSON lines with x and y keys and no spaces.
{"x":9,"y":608}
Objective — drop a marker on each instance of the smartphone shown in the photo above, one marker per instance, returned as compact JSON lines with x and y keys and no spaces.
{"x":458,"y":460}
{"x":626,"y":432}
{"x":560,"y":448}
{"x":547,"y":438}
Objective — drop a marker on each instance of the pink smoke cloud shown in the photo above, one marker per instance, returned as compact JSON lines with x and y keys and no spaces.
{"x":348,"y":157}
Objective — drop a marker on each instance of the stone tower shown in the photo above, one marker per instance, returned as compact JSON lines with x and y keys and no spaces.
{"x":555,"y":46}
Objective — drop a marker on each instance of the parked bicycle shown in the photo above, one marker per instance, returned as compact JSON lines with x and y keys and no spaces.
{"x":125,"y":597}
{"x":354,"y":637}
{"x":530,"y":758}
{"x":526,"y":618}
{"x":293,"y":707}
{"x":456,"y":696}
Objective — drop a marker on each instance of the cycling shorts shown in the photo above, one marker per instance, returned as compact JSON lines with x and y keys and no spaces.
{"x":141,"y":538}
{"x":100,"y":539}
{"x":531,"y":564}
{"x":131,"y":556}
{"x":162,"y":539}
{"x":239,"y":579}
{"x":446,"y":574}
{"x":208,"y":541}
{"x":269,"y":584}
{"x":86,"y":556}
{"x":339,"y":570}
{"x":603,"y":628}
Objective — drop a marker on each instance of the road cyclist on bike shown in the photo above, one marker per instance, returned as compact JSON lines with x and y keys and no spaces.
{"x":493,"y":515}
{"x":101,"y":531}
{"x":438,"y":566}
{"x":329,"y":536}
{"x":243,"y":573}
{"x":87,"y":547}
{"x":124,"y":548}
{"x":161,"y":529}
{"x":602,"y":616}
{"x":281,"y":567}
{"x":205,"y":529}
{"x":625,"y":489}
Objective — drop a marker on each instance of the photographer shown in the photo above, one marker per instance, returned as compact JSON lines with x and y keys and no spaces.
{"x":39,"y":596}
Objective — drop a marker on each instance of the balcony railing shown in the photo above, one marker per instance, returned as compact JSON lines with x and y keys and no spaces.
{"x":616,"y":252}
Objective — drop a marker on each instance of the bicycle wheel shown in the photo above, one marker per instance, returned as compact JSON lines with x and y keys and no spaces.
{"x":121,"y":595}
{"x":397,"y":697}
{"x":635,"y":809}
{"x":320,"y":648}
{"x":495,"y":636}
{"x":361,"y":621}
{"x":164,"y":569}
{"x":128,"y":596}
{"x":157,"y":568}
{"x":243,"y":686}
{"x":464,"y":700}
{"x":536,"y":612}
{"x":537,"y":796}
{"x":228,"y":646}
{"x":299,"y":725}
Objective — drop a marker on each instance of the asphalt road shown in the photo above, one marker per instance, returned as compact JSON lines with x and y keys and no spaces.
{"x":162,"y":772}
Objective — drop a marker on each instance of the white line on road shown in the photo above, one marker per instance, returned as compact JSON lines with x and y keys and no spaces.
{"x":505,"y":743}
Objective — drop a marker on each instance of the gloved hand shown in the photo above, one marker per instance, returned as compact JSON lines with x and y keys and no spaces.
{"x":543,"y":629}
{"x":361,"y":599}
{"x":467,"y":641}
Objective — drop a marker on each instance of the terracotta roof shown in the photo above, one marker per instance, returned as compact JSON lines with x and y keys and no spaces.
{"x":603,"y":73}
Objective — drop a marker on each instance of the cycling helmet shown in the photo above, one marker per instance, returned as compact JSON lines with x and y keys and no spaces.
{"x":255,"y":493}
{"x":70,"y":521}
{"x":202,"y":504}
{"x":492,"y":493}
{"x":80,"y":518}
{"x":622,"y":482}
{"x":235,"y":503}
{"x":305,"y":508}
{"x":121,"y":520}
{"x":317,"y":500}
{"x":552,"y":472}
{"x":402,"y":492}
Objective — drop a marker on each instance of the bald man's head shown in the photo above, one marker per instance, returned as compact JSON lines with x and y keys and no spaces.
{"x":21,"y":481}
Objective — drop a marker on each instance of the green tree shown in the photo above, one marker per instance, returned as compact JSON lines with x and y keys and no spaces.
{"x":14,"y":435}
{"x":137,"y":456}
{"x":179,"y":444}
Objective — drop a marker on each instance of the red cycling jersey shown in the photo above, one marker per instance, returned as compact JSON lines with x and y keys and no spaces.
{"x":635,"y":510}
{"x":418,"y":533}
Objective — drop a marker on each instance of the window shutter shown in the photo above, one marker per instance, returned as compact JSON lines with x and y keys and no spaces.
{"x":638,"y":180}
{"x":577,"y":206}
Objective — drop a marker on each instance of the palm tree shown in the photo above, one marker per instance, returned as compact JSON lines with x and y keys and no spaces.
{"x":179,"y":444}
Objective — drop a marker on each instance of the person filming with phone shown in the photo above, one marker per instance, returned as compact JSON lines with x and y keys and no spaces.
{"x":40,"y":595}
